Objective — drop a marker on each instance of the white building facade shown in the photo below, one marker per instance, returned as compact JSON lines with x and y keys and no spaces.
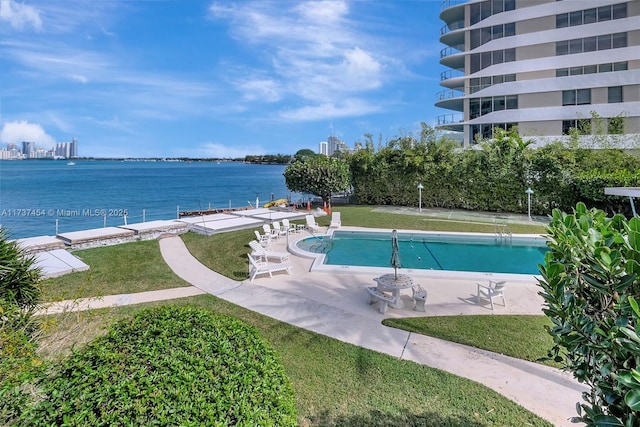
{"x":545,"y":66}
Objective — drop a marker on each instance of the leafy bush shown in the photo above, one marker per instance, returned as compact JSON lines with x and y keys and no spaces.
{"x":590,"y":284}
{"x":169,"y":366}
{"x":19,"y":296}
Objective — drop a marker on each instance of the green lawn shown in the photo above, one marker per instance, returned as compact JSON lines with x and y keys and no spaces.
{"x":339,"y":384}
{"x":335,"y":383}
{"x":120,"y":269}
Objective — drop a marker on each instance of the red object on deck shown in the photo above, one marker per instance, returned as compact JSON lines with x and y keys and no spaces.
{"x":308,"y":205}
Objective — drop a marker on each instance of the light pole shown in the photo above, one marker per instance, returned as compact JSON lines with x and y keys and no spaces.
{"x":420,"y":187}
{"x":529,"y":192}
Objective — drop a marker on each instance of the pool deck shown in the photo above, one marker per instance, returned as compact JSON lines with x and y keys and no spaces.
{"x":335,"y":304}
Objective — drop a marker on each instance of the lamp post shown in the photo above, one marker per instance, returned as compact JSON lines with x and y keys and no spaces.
{"x":420,"y":187}
{"x":529,"y":192}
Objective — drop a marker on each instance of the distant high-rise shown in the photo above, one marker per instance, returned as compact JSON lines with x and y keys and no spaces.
{"x":28,"y":148}
{"x":545,"y":66}
{"x":323,"y":148}
{"x":74,"y":147}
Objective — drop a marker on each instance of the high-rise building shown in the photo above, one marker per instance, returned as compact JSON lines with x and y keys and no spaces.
{"x":28,"y":149}
{"x":545,"y":66}
{"x":323,"y":148}
{"x":74,"y":148}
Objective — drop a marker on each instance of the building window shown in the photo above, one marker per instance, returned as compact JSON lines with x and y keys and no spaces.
{"x":485,"y":35}
{"x":614,"y":94}
{"x":583,"y":126}
{"x":480,"y":106}
{"x":476,"y":84}
{"x":480,"y":61}
{"x":487,"y":130}
{"x":589,"y":16}
{"x":576,"y":97}
{"x":485,"y":9}
{"x":590,"y":44}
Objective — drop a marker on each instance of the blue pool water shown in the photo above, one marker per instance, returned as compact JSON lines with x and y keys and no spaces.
{"x":478,"y":253}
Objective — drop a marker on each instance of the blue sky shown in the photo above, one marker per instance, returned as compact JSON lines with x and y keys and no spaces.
{"x":215,"y":78}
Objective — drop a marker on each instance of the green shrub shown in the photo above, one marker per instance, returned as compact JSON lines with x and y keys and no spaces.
{"x":169,"y":366}
{"x":19,"y":297}
{"x":590,"y":284}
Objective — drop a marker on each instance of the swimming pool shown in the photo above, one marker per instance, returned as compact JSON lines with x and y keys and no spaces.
{"x":429,"y":252}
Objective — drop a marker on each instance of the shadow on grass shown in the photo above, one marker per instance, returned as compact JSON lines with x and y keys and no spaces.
{"x":378,"y":418}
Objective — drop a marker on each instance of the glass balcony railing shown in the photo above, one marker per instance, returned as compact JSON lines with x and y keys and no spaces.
{"x":452,"y":50}
{"x":451,"y":74}
{"x":450,"y":119}
{"x":446,"y":4}
{"x":449,"y":94}
{"x":451,"y":27}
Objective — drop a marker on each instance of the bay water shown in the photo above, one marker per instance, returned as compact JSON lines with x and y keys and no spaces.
{"x":40,"y":197}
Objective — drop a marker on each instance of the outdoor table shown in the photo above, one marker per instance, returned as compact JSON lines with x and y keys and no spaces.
{"x":389,"y":282}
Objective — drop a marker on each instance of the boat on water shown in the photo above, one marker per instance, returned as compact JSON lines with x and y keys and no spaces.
{"x":71,"y":163}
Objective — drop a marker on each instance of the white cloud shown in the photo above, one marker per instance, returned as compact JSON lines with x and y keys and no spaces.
{"x":79,"y":78}
{"x":211,"y":149}
{"x":311,"y":51}
{"x":16,"y":132}
{"x":260,"y":89}
{"x":19,"y":14}
{"x":349,"y":108}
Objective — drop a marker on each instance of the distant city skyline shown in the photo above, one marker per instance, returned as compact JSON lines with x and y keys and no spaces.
{"x":31,"y":150}
{"x":209,"y":78}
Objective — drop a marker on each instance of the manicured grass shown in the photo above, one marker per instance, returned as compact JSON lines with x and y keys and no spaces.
{"x":338,"y":384}
{"x":523,"y":337}
{"x":335,"y":383}
{"x":120,"y":269}
{"x":365,"y":216}
{"x":225,"y":253}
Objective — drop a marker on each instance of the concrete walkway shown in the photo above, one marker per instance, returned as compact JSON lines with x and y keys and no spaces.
{"x":548,"y":392}
{"x":334,"y":304}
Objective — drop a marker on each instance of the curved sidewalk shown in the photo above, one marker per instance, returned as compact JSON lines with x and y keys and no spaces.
{"x":545,"y":391}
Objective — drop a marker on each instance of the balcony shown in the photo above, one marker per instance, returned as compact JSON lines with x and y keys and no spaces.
{"x":457,"y":25}
{"x":450,"y":119}
{"x":449,"y":94}
{"x":451,"y":74}
{"x":446,"y":4}
{"x":452,"y":50}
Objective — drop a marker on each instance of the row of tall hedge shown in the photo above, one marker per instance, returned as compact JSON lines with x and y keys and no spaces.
{"x":492,"y":177}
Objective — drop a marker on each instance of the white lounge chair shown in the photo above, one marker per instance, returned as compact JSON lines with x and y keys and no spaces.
{"x":493,"y":290}
{"x":263,"y":239}
{"x":335,"y":220}
{"x":311,"y":223}
{"x":279,"y":229}
{"x":274,"y":234}
{"x":291,"y":228}
{"x":265,"y":255}
{"x":260,"y":267}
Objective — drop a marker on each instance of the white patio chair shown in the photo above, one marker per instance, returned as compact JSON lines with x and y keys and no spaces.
{"x":311,"y":223}
{"x":291,"y":228}
{"x":261,"y":253}
{"x":335,"y":220}
{"x":493,"y":290}
{"x":274,"y":234}
{"x":261,"y":267}
{"x":279,"y":229}
{"x":263,"y":239}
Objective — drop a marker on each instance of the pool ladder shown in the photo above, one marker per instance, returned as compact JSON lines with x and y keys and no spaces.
{"x":503,"y":234}
{"x":322,"y":246}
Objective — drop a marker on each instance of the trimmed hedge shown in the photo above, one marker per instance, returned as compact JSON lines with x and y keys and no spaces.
{"x":170,"y":366}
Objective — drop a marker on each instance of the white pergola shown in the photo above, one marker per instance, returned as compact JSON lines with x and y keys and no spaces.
{"x":629,"y":192}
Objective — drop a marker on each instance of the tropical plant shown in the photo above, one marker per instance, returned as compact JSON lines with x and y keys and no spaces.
{"x":169,"y":366}
{"x":590,"y":282}
{"x":318,"y":175}
{"x":19,"y":297}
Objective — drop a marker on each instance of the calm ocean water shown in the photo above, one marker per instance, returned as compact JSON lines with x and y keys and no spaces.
{"x":34,"y":195}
